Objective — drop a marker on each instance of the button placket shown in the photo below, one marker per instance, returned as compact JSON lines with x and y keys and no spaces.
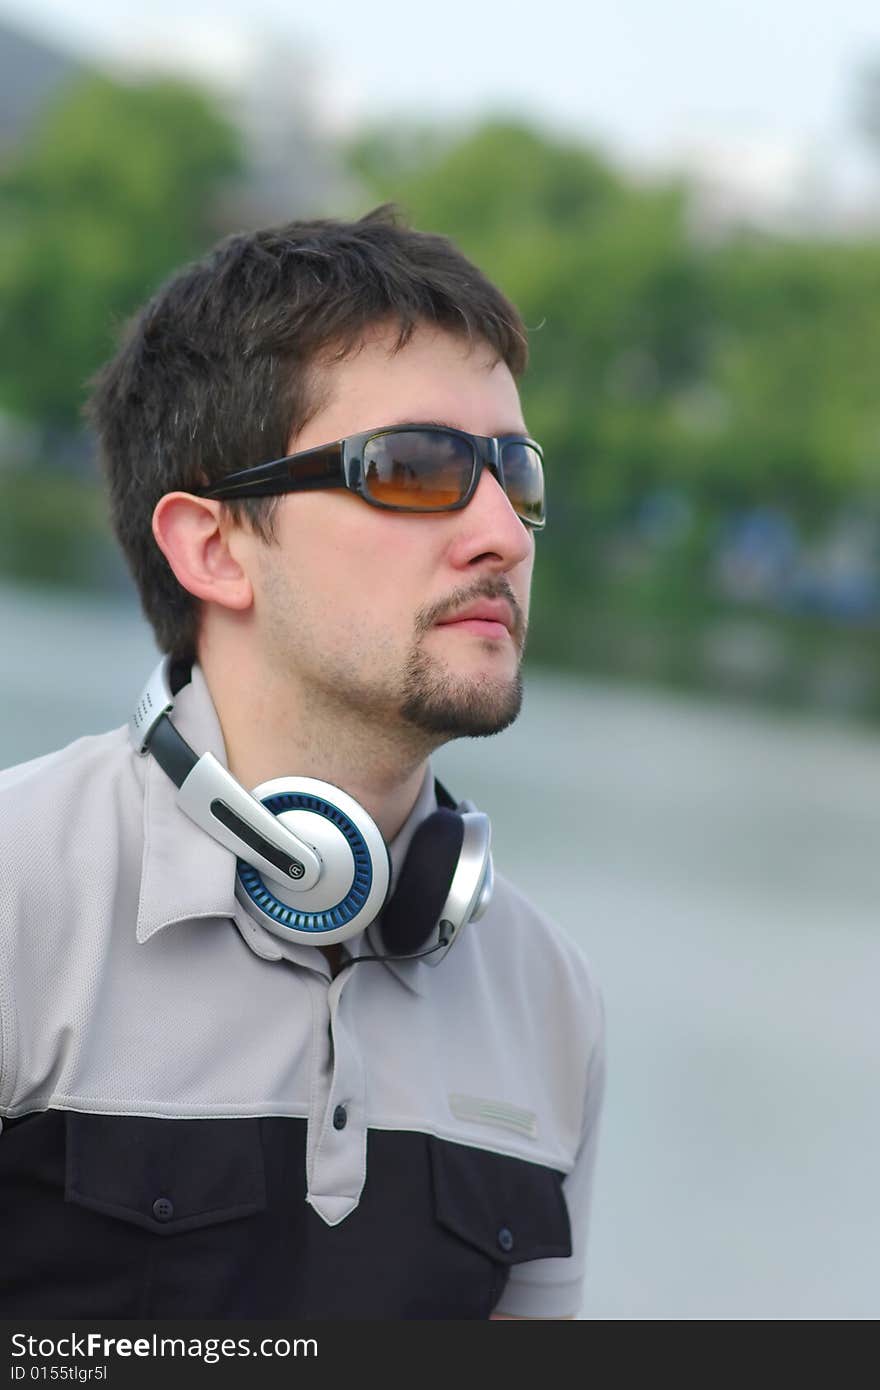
{"x":337,"y":1162}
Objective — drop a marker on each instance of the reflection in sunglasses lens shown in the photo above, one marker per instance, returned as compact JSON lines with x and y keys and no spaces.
{"x":524,"y":480}
{"x":423,"y":469}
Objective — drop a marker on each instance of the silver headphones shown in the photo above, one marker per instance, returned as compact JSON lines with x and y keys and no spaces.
{"x":313,"y":866}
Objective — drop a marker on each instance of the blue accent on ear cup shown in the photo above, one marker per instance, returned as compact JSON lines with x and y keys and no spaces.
{"x":331,"y":918}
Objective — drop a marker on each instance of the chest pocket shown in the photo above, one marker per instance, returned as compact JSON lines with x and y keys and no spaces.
{"x":165,"y":1176}
{"x":504,"y":1209}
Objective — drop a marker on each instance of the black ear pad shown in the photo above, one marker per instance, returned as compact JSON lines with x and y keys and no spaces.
{"x":410,"y":916}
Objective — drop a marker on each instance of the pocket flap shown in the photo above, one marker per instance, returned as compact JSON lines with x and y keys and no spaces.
{"x":509,"y":1209}
{"x":165,"y":1175}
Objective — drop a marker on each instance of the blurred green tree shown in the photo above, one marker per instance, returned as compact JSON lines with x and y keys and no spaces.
{"x":796,"y":342}
{"x":114,"y":187}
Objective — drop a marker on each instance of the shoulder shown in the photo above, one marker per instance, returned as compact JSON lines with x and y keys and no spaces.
{"x":65,"y":809}
{"x":69,"y":832}
{"x":33,"y":787}
{"x":519,"y":926}
{"x":531,"y":958}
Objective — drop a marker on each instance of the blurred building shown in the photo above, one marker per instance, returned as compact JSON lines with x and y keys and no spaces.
{"x":275,"y":93}
{"x":270,"y":90}
{"x":755,"y":180}
{"x":32,"y":71}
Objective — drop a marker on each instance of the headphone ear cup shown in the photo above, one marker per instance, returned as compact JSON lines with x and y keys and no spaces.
{"x":355,"y":865}
{"x":410,"y":916}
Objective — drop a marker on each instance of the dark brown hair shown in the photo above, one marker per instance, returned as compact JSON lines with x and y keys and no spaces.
{"x":216,"y":372}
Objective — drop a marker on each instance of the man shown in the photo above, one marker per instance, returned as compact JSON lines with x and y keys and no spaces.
{"x":219,"y":1099}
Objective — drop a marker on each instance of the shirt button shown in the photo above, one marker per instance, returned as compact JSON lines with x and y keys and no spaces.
{"x":505,"y":1239}
{"x":340,"y":1117}
{"x":163,"y":1209}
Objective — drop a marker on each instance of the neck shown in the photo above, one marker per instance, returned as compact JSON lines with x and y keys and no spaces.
{"x":277,"y":729}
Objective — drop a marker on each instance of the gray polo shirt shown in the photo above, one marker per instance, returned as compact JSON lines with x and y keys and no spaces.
{"x":374,"y":1141}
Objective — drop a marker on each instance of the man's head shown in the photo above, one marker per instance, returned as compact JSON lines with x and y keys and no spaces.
{"x":288,"y":339}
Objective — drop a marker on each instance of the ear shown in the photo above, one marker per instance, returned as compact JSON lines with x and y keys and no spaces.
{"x":197,"y":537}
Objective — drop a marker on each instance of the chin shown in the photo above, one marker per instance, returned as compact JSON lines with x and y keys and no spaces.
{"x":459,"y":708}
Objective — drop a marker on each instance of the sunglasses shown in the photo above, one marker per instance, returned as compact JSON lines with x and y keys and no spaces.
{"x":404,"y":468}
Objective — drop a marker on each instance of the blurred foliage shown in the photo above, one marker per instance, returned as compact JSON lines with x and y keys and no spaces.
{"x":110,"y":191}
{"x":54,"y":530}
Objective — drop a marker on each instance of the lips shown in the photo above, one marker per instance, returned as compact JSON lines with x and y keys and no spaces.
{"x":486,"y":610}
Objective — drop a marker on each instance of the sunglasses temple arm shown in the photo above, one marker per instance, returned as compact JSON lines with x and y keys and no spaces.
{"x":311,"y":470}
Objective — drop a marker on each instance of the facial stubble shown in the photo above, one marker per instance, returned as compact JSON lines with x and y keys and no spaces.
{"x":429,"y":698}
{"x":457,"y":707}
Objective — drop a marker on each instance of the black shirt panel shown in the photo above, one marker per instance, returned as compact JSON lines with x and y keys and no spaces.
{"x":132,"y":1216}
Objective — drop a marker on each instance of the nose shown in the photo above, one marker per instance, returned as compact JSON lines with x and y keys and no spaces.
{"x":489,"y":530}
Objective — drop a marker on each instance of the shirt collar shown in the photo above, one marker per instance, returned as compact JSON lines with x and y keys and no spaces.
{"x":185,"y":874}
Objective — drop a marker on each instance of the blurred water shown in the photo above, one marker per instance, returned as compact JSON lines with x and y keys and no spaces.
{"x":720,"y":868}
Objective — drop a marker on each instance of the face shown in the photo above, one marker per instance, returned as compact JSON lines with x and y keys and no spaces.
{"x":353,"y":603}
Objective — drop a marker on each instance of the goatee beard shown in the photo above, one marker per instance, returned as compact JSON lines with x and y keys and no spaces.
{"x":439,"y":704}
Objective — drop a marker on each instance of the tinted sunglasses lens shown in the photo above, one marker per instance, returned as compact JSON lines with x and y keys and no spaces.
{"x":524,"y":481}
{"x":418,"y":470}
